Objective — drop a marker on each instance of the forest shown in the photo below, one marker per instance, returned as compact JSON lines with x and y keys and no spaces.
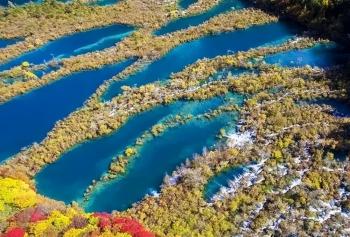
{"x":327,"y":17}
{"x":236,"y":84}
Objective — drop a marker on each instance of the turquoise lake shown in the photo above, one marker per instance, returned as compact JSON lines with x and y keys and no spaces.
{"x":72,"y":45}
{"x":165,"y":153}
{"x":93,"y":157}
{"x":221,"y":180}
{"x":185,"y":22}
{"x":208,"y":46}
{"x":27,"y":118}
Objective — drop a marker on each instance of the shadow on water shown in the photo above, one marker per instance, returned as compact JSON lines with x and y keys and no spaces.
{"x":209,"y":46}
{"x":72,"y":45}
{"x":323,"y":55}
{"x":27,"y":118}
{"x":185,"y":22}
{"x":341,"y":108}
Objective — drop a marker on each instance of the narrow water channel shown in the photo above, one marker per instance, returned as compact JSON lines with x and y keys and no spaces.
{"x":184,"y":4}
{"x":6,"y":42}
{"x":157,"y":158}
{"x":27,"y":118}
{"x":93,"y":157}
{"x":185,"y":22}
{"x":324,"y":55}
{"x":72,"y":45}
{"x":209,"y":46}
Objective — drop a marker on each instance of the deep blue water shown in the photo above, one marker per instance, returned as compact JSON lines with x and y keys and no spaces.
{"x":158,"y":157}
{"x":341,"y":107}
{"x":6,"y":42}
{"x":221,"y":180}
{"x":185,"y":22}
{"x":184,"y":4}
{"x":209,"y":46}
{"x":93,"y":157}
{"x":324,"y":55}
{"x":75,"y":44}
{"x":27,"y":118}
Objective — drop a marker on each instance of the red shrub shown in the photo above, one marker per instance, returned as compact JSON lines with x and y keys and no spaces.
{"x":37,"y":215}
{"x":144,"y":233}
{"x":104,"y":220}
{"x":132,"y":227}
{"x":126,"y":225}
{"x":15,"y":232}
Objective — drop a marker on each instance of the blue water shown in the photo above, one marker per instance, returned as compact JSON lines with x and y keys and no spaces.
{"x":209,"y":46}
{"x":221,"y":180}
{"x":4,"y":3}
{"x":184,"y":4}
{"x":27,"y":118}
{"x":324,"y":55}
{"x":93,"y":157}
{"x":185,"y":22}
{"x":72,"y":45}
{"x":158,"y":157}
{"x":341,"y":107}
{"x":6,"y":42}
{"x":46,"y":70}
{"x":106,"y":2}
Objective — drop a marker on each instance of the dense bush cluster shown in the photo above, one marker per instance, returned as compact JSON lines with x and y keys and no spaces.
{"x":23,"y":213}
{"x":331,"y":17}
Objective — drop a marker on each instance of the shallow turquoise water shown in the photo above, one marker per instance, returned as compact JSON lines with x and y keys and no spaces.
{"x":324,"y":55}
{"x":221,"y":180}
{"x":27,"y":118}
{"x":209,"y":46}
{"x":72,"y":45}
{"x":93,"y":157}
{"x":106,"y":2}
{"x":185,"y":22}
{"x":157,"y":158}
{"x":186,"y":3}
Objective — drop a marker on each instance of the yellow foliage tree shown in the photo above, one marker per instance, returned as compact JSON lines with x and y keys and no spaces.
{"x":16,"y":194}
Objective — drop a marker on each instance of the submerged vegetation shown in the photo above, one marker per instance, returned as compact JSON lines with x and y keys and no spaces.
{"x":287,"y":140}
